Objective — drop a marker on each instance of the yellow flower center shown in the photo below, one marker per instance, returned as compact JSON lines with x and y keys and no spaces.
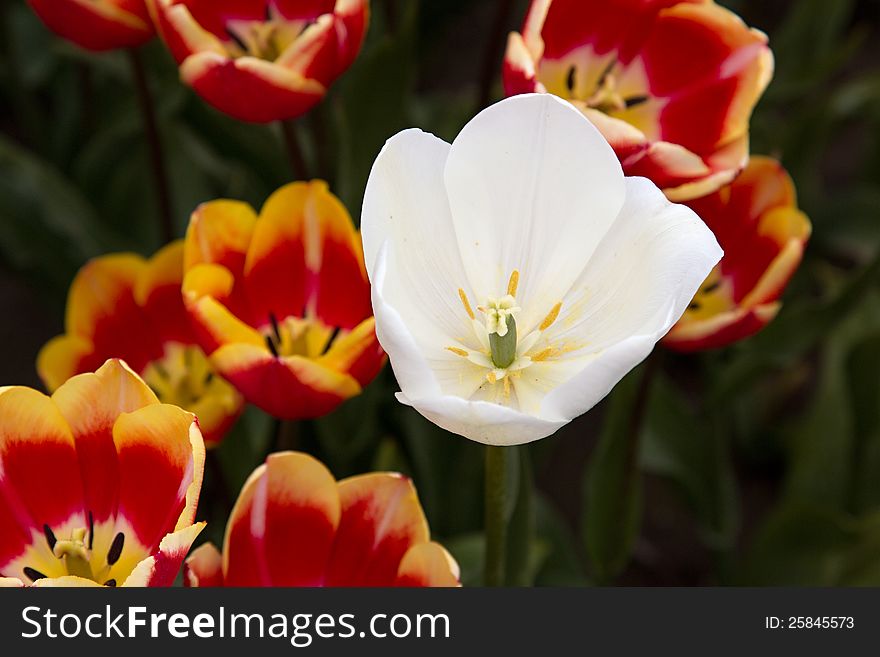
{"x":183,"y":377}
{"x":264,"y":39}
{"x":75,"y":556}
{"x":295,"y":336}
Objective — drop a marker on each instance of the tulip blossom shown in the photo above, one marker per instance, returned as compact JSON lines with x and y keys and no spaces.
{"x":281,"y":302}
{"x":123,"y":306}
{"x":98,"y":483}
{"x":295,"y":525}
{"x":262,"y":60}
{"x":516,"y":274}
{"x":757,"y":222}
{"x":97,"y":24}
{"x":670,"y":83}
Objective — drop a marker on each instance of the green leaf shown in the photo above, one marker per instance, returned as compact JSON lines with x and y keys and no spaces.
{"x":692,"y":451}
{"x":613,"y":486}
{"x":556,"y":552}
{"x":47,"y":227}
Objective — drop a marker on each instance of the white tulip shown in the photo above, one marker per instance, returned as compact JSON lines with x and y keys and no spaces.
{"x":516,"y":274}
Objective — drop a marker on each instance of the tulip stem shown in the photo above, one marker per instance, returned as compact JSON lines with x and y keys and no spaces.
{"x":294,"y":150}
{"x":496,"y":523}
{"x":151,"y":133}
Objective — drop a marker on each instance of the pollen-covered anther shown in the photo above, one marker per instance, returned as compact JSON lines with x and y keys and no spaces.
{"x":466,"y":304}
{"x":551,"y":317}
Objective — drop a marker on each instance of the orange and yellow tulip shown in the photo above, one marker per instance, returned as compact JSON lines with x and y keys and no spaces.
{"x":281,"y":301}
{"x":763,"y":234}
{"x":124,"y":306}
{"x":670,"y":83}
{"x":97,"y":24}
{"x":295,"y":525}
{"x":100,"y":483}
{"x":260,"y":60}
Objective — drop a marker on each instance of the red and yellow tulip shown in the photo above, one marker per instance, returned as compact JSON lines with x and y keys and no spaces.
{"x":763,"y":234}
{"x":97,"y":24}
{"x":123,"y":306}
{"x":670,"y":83}
{"x":99,"y":483}
{"x":281,"y":301}
{"x":262,"y":60}
{"x":295,"y":525}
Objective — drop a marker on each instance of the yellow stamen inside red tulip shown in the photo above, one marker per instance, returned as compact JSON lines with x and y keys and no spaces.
{"x":183,"y":377}
{"x":265,"y":39}
{"x":76,"y":556}
{"x":296,"y":336}
{"x":604,"y":84}
{"x":713,"y":298}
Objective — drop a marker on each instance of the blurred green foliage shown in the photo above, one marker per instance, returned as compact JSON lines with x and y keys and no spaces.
{"x":756,"y":464}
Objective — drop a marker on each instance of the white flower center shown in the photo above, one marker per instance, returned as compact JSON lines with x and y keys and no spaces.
{"x":503,"y":353}
{"x":497,"y":312}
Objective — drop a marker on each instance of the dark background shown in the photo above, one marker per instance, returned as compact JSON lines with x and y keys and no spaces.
{"x":758,"y":464}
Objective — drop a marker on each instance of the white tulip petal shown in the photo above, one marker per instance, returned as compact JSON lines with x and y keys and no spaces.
{"x":638,"y":284}
{"x":643,"y":275}
{"x":589,"y":386}
{"x":407,"y":359}
{"x":483,"y":421}
{"x":405,"y":205}
{"x":423,"y":373}
{"x":533,"y":187}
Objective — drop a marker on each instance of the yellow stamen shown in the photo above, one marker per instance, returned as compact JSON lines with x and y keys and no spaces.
{"x":551,"y":317}
{"x":513,"y":283}
{"x":507,"y":387}
{"x":458,"y":352}
{"x":466,"y":304}
{"x":544,"y":354}
{"x":490,"y":377}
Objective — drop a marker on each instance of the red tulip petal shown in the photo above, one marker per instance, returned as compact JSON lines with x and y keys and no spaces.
{"x":292,"y":387}
{"x":281,"y":530}
{"x":721,"y":330}
{"x":157,"y":291}
{"x":428,"y":564}
{"x":39,"y":477}
{"x":161,"y":462}
{"x":102,"y":308}
{"x":97,"y":25}
{"x":161,"y":568}
{"x":91,"y":404}
{"x":519,"y":74}
{"x":381,"y":520}
{"x":357,"y":353}
{"x":275,"y":271}
{"x":219,"y":233}
{"x":232,"y":85}
{"x":204,"y":567}
{"x":306,"y":257}
{"x":339,"y":264}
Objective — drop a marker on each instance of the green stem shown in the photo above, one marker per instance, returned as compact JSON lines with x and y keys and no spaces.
{"x":284,"y":436}
{"x":496,"y":524}
{"x":294,"y":150}
{"x":151,"y":134}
